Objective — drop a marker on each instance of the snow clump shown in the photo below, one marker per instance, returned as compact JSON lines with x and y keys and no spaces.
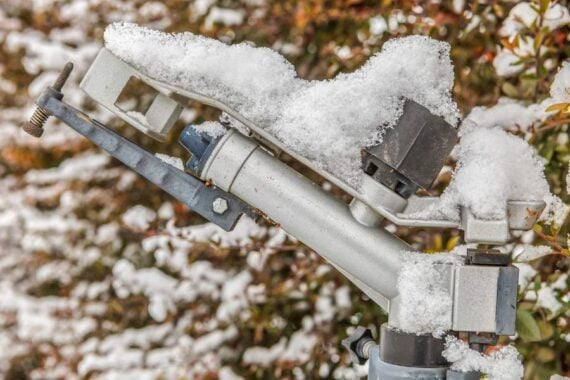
{"x":425,"y":302}
{"x":327,"y":122}
{"x":503,"y":364}
{"x":493,"y":166}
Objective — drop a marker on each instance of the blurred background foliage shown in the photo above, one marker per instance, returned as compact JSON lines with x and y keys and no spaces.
{"x":321,"y":38}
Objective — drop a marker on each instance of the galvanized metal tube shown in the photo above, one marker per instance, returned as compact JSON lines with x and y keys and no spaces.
{"x":369,"y":256}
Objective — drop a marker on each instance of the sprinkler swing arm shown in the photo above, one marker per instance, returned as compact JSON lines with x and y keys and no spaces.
{"x":248,"y":178}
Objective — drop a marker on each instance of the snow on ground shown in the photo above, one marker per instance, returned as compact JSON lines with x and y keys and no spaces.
{"x":508,"y":61}
{"x":225,"y":16}
{"x":79,"y":292}
{"x":162,"y":348}
{"x":328,"y":122}
{"x":139,"y":217}
{"x":524,"y":14}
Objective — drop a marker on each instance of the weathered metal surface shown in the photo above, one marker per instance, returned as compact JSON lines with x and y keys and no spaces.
{"x":370,"y":257}
{"x":411,"y":349}
{"x":380,"y":370}
{"x":482,"y":231}
{"x":507,"y":301}
{"x":184,"y":187}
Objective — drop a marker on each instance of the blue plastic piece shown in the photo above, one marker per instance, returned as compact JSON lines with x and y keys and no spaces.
{"x":199,"y":144}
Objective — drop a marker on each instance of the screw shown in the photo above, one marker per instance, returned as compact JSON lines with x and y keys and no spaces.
{"x":62,"y":77}
{"x":35,"y":126}
{"x":220,"y":206}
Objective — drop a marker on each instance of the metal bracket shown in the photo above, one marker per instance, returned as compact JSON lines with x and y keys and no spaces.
{"x":108,"y":75}
{"x":184,"y":187}
{"x":106,"y":79}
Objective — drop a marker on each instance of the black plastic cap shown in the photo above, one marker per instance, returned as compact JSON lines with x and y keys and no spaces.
{"x":412,"y":153}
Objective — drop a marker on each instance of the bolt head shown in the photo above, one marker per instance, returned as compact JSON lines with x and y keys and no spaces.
{"x":220,"y":206}
{"x":33,"y":129}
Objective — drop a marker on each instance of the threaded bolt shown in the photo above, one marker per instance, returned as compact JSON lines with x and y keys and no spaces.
{"x":35,"y":126}
{"x":37,"y":121}
{"x":62,"y":77}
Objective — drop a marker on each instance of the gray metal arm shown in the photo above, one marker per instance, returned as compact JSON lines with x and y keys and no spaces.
{"x":184,"y":187}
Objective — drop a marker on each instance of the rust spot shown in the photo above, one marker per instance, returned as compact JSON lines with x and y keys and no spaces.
{"x":264,"y":216}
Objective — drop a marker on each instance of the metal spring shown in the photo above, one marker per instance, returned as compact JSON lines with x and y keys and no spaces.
{"x":39,"y":117}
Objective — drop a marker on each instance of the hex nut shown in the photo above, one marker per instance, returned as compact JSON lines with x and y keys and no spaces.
{"x":220,"y":206}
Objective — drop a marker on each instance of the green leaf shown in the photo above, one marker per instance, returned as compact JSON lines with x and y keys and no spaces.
{"x":510,"y":90}
{"x":546,"y":330}
{"x":557,"y":107}
{"x":544,"y":5}
{"x":538,"y":40}
{"x":527,"y":327}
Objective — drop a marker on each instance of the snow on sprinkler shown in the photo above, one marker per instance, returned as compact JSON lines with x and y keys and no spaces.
{"x":379,"y":134}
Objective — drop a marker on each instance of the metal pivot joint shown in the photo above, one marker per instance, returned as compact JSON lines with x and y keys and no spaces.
{"x":359,"y":345}
{"x":200,"y":145}
{"x":210,"y":202}
{"x":35,"y":126}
